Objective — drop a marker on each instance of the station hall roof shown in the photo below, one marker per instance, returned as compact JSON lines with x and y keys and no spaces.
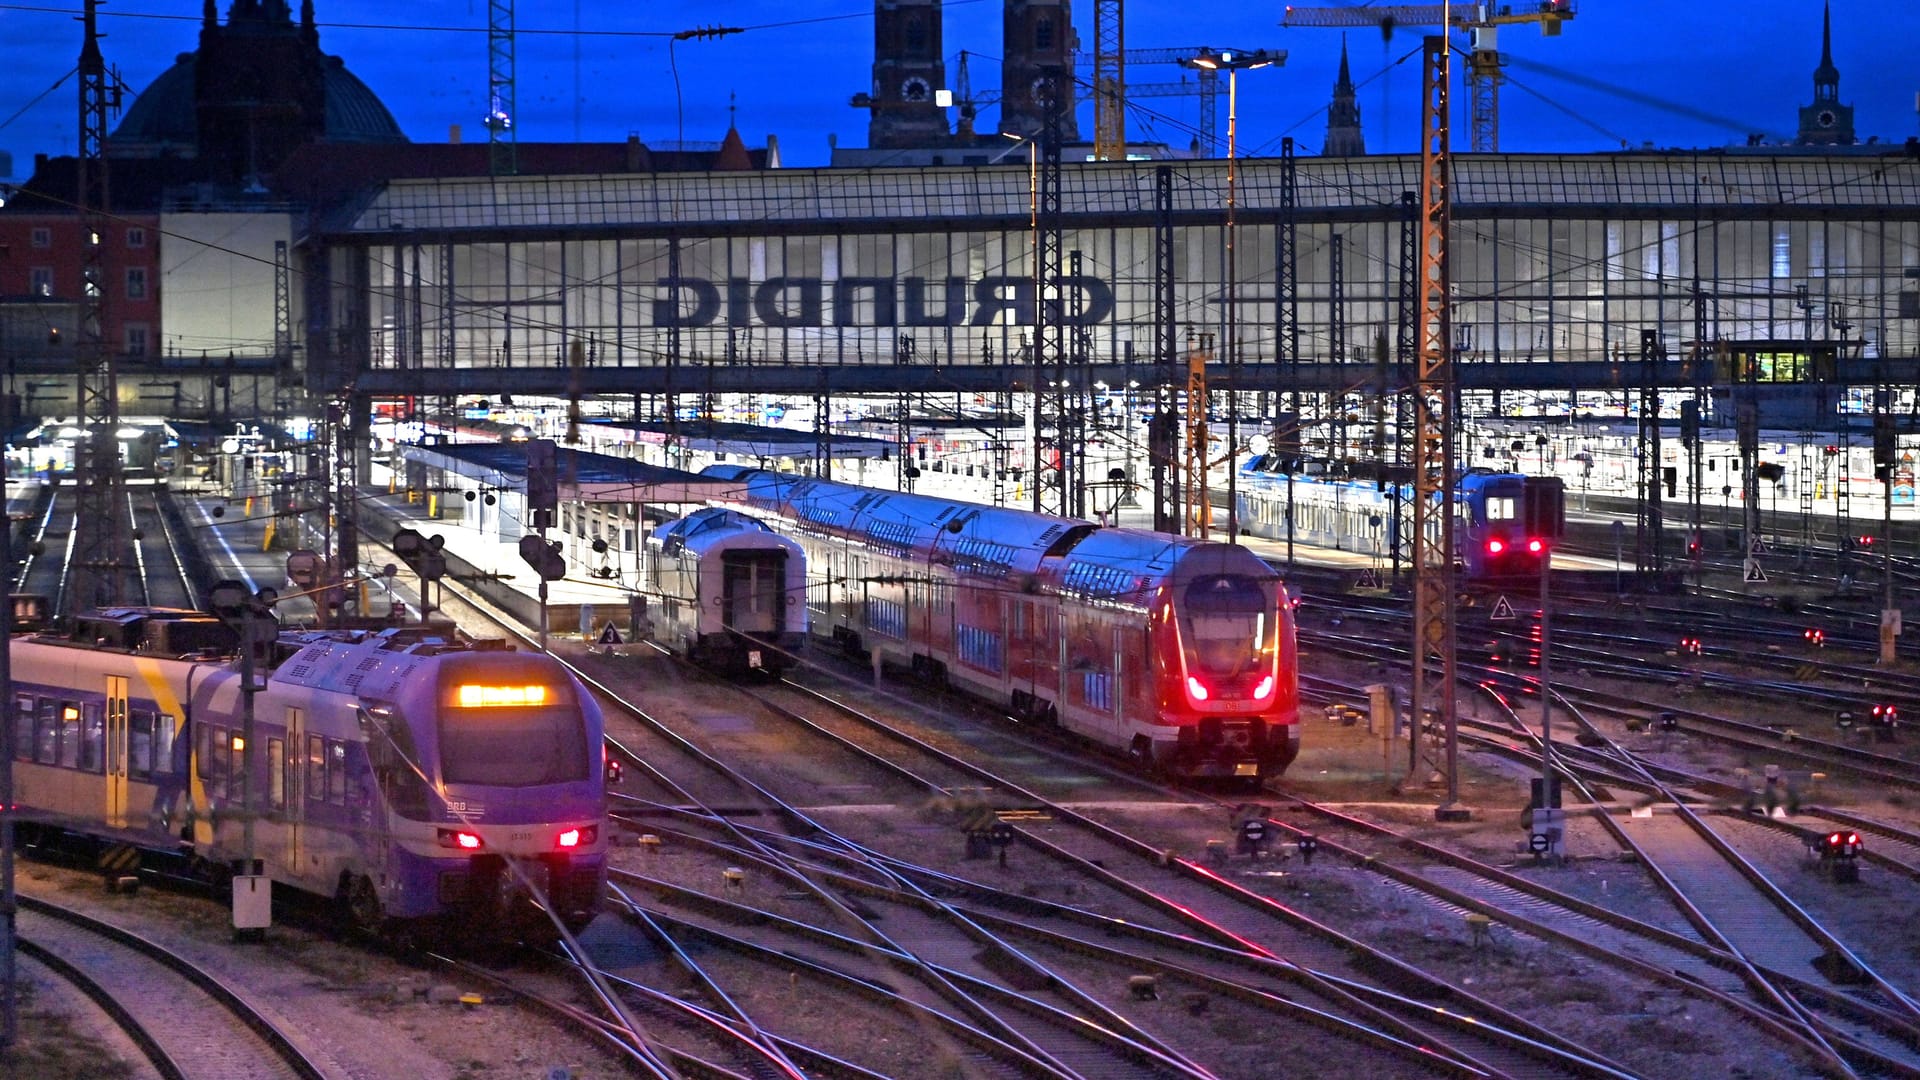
{"x":757,"y":440}
{"x":583,"y":476}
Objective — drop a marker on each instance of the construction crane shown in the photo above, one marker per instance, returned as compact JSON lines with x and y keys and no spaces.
{"x":502,"y":141}
{"x":1481,"y":22}
{"x":1207,"y":86}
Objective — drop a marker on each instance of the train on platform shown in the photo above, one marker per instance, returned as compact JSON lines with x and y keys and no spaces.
{"x":1178,"y":653}
{"x":1504,"y":522}
{"x":418,"y":781}
{"x":726,"y":591}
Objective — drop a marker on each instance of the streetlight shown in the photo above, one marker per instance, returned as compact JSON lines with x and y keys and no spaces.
{"x":1233,"y":63}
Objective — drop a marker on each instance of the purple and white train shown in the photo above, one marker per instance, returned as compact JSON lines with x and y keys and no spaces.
{"x":416,"y":778}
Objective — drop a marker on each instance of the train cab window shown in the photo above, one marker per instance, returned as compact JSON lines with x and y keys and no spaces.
{"x":520,"y":746}
{"x":1229,"y":619}
{"x":1502,"y":508}
{"x":24,"y":710}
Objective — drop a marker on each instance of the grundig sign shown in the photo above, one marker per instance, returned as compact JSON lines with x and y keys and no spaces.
{"x":874,"y":301}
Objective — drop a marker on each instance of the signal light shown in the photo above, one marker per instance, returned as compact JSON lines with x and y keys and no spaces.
{"x":465,"y":841}
{"x":1887,"y":715}
{"x":1866,"y":541}
{"x":1496,"y":545}
{"x":1843,"y":844}
{"x":1690,"y":646}
{"x":1817,"y":637}
{"x":1196,"y":688}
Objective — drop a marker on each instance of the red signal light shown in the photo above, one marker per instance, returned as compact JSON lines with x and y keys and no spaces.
{"x":1818,"y":637}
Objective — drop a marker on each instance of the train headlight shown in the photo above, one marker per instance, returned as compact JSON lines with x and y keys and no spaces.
{"x":456,"y":838}
{"x":1266,"y":687}
{"x":1196,"y":688}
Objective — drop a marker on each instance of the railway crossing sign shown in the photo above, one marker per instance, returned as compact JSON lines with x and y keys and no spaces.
{"x":610,"y":636}
{"x":1502,"y":610}
{"x":1753,"y":572}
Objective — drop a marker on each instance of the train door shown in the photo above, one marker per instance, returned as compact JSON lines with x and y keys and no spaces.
{"x":752,"y":586}
{"x":116,"y":763}
{"x":290,"y":785}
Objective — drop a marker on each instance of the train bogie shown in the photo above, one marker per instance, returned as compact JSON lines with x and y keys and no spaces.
{"x":727,"y":591}
{"x":411,"y":779}
{"x":1177,"y":652}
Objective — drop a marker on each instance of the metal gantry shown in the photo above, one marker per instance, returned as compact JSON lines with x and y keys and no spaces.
{"x":1647,"y":539}
{"x":98,"y":570}
{"x":1434,"y":738}
{"x":1162,"y":431}
{"x":1286,"y":314}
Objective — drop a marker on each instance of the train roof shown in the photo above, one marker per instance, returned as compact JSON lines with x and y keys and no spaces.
{"x":993,"y":539}
{"x":1012,"y":539}
{"x":373,"y":666}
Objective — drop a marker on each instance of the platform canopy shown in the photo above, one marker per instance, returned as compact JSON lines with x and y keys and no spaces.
{"x":582,"y":476}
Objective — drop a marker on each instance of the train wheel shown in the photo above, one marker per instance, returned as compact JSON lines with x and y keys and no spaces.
{"x":1141,"y":752}
{"x":363,"y":904}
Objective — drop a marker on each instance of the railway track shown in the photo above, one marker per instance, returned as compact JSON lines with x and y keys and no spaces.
{"x":185,"y":1019}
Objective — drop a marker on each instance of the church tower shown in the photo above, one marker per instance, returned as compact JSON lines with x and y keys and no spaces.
{"x":1826,"y":122}
{"x":259,"y":87}
{"x":1037,"y":61}
{"x":907,"y":69}
{"x":1344,"y":137}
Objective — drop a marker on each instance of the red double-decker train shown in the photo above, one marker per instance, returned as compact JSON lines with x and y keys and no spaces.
{"x":1179,"y":653}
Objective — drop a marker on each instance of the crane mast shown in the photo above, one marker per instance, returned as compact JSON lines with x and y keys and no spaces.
{"x":1481,"y":22}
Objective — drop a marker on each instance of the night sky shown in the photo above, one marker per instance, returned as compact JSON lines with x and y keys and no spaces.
{"x":1701,"y":74}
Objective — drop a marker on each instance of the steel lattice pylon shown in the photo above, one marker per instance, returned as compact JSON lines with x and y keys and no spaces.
{"x":1052,"y":479}
{"x":1434,"y":718}
{"x":98,"y":572}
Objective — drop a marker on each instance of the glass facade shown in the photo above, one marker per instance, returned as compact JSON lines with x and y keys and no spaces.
{"x":1553,"y":258}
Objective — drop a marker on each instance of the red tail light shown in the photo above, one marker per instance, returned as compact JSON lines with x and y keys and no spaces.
{"x":1196,"y":688}
{"x":1496,"y":545}
{"x":1266,"y":687}
{"x":580,"y":837}
{"x":465,"y":841}
{"x":1536,"y":545}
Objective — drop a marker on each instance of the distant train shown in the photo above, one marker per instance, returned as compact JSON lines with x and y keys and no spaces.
{"x":412,"y":779}
{"x":727,"y":591}
{"x":1177,"y":652}
{"x":1492,"y":537}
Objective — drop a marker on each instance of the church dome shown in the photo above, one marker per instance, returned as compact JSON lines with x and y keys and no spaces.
{"x":162,"y":117}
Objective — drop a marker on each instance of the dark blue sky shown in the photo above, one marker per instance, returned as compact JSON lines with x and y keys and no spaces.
{"x":1747,"y":64}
